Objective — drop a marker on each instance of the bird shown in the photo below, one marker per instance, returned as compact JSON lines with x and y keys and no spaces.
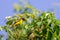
{"x":18,"y":22}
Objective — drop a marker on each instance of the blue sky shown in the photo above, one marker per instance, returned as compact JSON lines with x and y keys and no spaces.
{"x":6,"y":7}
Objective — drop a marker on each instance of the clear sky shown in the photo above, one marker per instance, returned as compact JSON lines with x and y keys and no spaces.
{"x":6,"y":7}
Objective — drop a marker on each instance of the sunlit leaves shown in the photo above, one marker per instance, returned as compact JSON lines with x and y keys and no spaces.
{"x":17,"y":7}
{"x":1,"y":28}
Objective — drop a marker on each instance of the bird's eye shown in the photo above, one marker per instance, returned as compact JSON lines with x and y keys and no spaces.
{"x":23,"y":19}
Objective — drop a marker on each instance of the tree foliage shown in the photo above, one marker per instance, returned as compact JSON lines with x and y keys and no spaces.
{"x":31,"y":24}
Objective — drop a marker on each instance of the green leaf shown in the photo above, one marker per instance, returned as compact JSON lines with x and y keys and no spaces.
{"x":9,"y":22}
{"x":38,"y":23}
